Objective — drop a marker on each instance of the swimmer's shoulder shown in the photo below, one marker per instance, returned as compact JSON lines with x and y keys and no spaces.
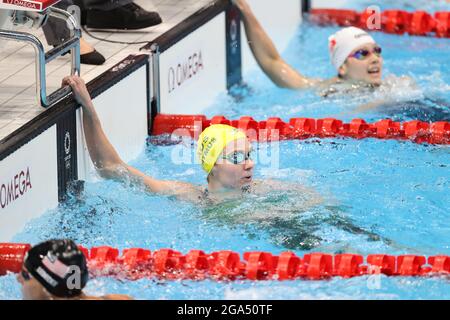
{"x":310,"y":196}
{"x":267,"y":185}
{"x":259,"y":186}
{"x":317,"y":83}
{"x":111,"y":297}
{"x":327,"y":87}
{"x":190,"y":192}
{"x":401,"y":82}
{"x":329,"y":82}
{"x":107,"y":297}
{"x":116,"y":297}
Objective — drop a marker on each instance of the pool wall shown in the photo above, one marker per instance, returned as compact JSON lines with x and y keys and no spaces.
{"x":182,"y":72}
{"x":123,"y":113}
{"x":29,"y":182}
{"x":209,"y":51}
{"x":280,"y":26}
{"x":42,"y":159}
{"x":189,"y":66}
{"x":328,"y":4}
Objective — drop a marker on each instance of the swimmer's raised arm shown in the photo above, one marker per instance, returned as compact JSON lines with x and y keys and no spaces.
{"x":102,"y":153}
{"x":106,"y":159}
{"x":267,"y":56}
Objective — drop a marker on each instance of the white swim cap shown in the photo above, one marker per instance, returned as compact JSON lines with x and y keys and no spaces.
{"x":343,"y":42}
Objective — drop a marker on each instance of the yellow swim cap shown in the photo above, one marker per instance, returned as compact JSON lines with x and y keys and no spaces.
{"x":213,"y":140}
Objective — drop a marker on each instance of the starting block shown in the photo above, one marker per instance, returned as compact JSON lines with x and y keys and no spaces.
{"x":34,"y":14}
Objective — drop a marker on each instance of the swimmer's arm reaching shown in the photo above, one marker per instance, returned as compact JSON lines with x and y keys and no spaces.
{"x":267,"y":56}
{"x":106,"y":159}
{"x":311,"y":197}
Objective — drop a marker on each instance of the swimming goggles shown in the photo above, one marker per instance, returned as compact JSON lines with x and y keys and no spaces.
{"x":364,"y":53}
{"x":238,"y":157}
{"x":26,"y":275}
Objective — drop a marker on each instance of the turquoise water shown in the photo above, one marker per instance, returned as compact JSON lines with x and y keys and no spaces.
{"x":378,"y":196}
{"x":416,"y":82}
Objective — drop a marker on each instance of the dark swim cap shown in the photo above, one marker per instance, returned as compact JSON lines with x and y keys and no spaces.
{"x":59,"y":266}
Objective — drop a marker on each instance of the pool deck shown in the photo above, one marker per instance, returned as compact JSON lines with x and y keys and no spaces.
{"x":18,"y":101}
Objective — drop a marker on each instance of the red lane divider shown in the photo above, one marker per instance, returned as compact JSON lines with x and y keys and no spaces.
{"x":274,"y":129}
{"x":11,"y":257}
{"x":382,"y":263}
{"x":418,"y":23}
{"x":169,"y":264}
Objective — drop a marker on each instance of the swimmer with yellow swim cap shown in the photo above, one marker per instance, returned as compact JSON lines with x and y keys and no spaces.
{"x":225,"y":155}
{"x":231,"y":196}
{"x":223,"y":151}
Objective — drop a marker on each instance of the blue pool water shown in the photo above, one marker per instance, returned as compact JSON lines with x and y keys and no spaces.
{"x":416,"y":82}
{"x":378,"y":196}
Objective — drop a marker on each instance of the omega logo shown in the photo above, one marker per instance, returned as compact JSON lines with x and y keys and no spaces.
{"x":233,"y":30}
{"x":15,"y":187}
{"x":67,"y":142}
{"x":185,"y":70}
{"x":233,"y":36}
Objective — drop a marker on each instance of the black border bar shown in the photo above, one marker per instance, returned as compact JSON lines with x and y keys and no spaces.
{"x":232,"y":309}
{"x":233,"y":46}
{"x":66,"y":141}
{"x":306,"y":6}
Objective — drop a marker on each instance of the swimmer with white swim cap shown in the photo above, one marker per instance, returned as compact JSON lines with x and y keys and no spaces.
{"x":354,"y":54}
{"x":57,"y":270}
{"x":224,"y":153}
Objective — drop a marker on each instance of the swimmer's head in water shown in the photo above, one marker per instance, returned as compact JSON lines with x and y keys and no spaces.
{"x":356,"y":56}
{"x":56,"y":265}
{"x":224,"y":153}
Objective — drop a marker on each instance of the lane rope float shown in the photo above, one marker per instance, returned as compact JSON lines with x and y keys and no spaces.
{"x":274,"y":128}
{"x":168,"y":264}
{"x":418,"y":23}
